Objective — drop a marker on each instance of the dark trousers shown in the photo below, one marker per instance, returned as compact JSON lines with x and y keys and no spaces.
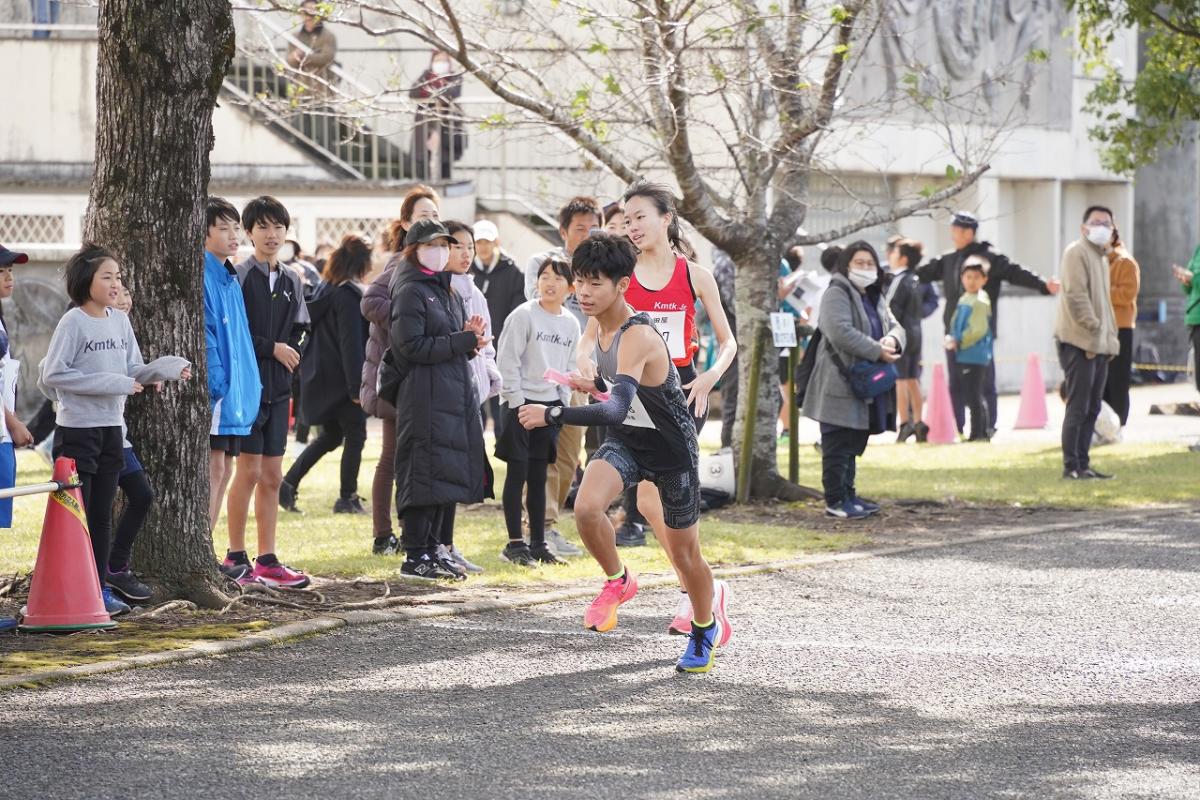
{"x":348,"y":425}
{"x":446,"y":529}
{"x":1085,"y":392}
{"x":971,"y":381}
{"x":139,"y":497}
{"x":958,"y":400}
{"x":99,"y":491}
{"x":422,"y":529}
{"x":840,"y":447}
{"x":42,"y":424}
{"x":1116,"y":388}
{"x":1196,"y":353}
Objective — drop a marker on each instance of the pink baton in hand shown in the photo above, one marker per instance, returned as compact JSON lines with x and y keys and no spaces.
{"x":562,"y":379}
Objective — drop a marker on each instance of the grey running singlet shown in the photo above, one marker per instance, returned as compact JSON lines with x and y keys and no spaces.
{"x":658,"y":430}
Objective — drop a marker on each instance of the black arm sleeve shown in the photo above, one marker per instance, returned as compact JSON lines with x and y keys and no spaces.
{"x":611,"y":412}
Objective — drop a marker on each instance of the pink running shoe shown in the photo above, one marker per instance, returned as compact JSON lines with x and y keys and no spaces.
{"x":279,"y":574}
{"x":601,"y":615}
{"x":721,"y":595}
{"x":682,"y":624}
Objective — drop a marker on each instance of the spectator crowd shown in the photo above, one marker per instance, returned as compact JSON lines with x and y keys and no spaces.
{"x":452,"y":334}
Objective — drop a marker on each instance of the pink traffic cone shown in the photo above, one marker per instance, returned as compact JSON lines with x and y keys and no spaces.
{"x":939,"y":412}
{"x":1032,"y":413}
{"x":65,"y":592}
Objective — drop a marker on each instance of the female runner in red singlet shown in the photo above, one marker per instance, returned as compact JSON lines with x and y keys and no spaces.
{"x":666,"y":285}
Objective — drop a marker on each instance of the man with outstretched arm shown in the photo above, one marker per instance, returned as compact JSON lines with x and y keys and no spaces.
{"x":651,"y":437}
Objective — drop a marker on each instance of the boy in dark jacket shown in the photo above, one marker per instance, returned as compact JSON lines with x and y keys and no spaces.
{"x":279,"y":326}
{"x":964,"y":230}
{"x":503,"y":284}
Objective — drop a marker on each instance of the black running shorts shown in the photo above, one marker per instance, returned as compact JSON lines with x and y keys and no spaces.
{"x":680,"y":491}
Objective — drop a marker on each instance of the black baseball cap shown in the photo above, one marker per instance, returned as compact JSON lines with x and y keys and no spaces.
{"x":424,"y":231}
{"x":965,"y":219}
{"x":10,"y":257}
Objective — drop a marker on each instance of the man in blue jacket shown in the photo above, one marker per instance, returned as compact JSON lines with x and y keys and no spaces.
{"x":234,"y":387}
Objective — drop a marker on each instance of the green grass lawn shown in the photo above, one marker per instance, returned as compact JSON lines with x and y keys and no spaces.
{"x":323,"y":543}
{"x":338,"y":545}
{"x":1029,"y":474}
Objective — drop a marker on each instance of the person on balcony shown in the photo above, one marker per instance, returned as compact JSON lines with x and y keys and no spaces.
{"x":438,"y":134}
{"x":316,"y":56}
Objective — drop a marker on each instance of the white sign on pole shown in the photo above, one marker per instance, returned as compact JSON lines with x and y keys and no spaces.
{"x":783,"y":329}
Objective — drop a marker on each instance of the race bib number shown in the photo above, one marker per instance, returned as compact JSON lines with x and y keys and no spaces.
{"x":638,"y":417}
{"x":671,"y":325}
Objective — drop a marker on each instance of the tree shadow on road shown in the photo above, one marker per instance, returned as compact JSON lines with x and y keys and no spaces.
{"x":500,"y":710}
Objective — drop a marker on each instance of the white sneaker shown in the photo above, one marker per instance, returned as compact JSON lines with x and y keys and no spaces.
{"x":560,"y":545}
{"x":458,"y":558}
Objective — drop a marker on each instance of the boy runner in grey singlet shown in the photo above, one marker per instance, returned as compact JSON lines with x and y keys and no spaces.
{"x":651,"y":437}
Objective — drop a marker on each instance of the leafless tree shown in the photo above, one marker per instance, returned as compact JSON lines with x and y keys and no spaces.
{"x":739,"y":103}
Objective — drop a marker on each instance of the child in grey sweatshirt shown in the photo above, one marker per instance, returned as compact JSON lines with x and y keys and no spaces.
{"x":93,"y":364}
{"x":538,"y":335}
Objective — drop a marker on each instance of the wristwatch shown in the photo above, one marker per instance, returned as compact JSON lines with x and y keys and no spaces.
{"x":554,"y":415}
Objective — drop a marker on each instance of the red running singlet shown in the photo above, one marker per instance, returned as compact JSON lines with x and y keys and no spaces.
{"x":672,"y":309}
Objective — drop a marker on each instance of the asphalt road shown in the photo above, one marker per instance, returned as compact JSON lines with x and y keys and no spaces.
{"x":1062,"y":665}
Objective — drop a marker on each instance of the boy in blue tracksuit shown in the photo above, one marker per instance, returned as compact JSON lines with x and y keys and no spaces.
{"x":971,"y":330}
{"x":234,"y":388}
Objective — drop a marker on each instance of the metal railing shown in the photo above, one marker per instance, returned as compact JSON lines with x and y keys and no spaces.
{"x":325,"y":113}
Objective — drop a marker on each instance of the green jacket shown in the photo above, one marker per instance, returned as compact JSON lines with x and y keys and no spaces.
{"x":1192,"y":307}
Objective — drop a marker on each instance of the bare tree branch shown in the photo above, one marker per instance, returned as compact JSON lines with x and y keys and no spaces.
{"x":899,"y":212}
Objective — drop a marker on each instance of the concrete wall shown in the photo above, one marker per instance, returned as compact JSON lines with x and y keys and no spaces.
{"x":1167,"y":217}
{"x":52,"y":111}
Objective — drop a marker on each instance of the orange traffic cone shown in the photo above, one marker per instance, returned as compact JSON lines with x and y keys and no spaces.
{"x":939,"y":412}
{"x":1032,"y":413}
{"x":65,"y":593}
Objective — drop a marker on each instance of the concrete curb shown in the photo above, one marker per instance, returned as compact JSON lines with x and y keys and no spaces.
{"x":310,"y":627}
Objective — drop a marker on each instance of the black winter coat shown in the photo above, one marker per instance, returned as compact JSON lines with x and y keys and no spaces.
{"x":331,"y":371}
{"x":275,"y":315}
{"x":439,"y":433}
{"x":948,"y":269}
{"x":504,"y":289}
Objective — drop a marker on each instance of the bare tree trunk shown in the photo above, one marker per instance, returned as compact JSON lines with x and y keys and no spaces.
{"x":161,"y":63}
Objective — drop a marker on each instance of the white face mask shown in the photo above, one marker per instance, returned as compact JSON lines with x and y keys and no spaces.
{"x":863,"y":278}
{"x":434,"y":259}
{"x":441,"y":67}
{"x":1099,"y":235}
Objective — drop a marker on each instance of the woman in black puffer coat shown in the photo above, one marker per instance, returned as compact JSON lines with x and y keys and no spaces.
{"x":439,"y":435}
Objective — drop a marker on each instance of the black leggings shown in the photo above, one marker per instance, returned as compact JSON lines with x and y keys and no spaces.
{"x":530,"y":476}
{"x":349,"y":424}
{"x":99,"y":490}
{"x":139,"y":497}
